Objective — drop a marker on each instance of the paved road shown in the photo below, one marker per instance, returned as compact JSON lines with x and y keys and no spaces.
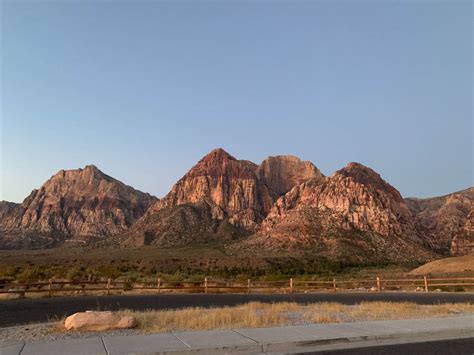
{"x":17,"y":312}
{"x":440,"y":347}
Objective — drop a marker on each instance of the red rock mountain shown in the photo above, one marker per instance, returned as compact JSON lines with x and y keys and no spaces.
{"x":282,"y":204}
{"x":446,"y":222}
{"x":238,"y":190}
{"x":75,"y":204}
{"x":352,"y":215}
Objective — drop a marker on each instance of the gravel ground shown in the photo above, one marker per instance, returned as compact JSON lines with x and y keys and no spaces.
{"x":52,"y":331}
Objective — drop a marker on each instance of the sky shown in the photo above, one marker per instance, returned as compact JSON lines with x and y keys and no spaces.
{"x":144,"y":89}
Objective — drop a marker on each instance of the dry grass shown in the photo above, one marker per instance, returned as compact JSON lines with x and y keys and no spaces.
{"x":256,"y":314}
{"x":458,"y":265}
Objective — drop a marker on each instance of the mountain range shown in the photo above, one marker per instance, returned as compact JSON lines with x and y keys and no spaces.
{"x":283,"y":204}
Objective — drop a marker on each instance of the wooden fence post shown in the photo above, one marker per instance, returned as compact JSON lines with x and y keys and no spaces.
{"x":291,"y":285}
{"x":426,"y":283}
{"x":205,"y":285}
{"x":378,"y":284}
{"x":50,"y":287}
{"x":158,"y":284}
{"x":108,"y":286}
{"x":248,"y":285}
{"x":334,"y":286}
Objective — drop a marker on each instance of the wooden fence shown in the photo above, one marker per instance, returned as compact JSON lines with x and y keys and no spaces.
{"x":250,"y":286}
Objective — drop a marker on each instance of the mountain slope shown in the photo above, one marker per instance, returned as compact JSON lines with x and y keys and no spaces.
{"x":230,"y":185}
{"x":231,"y":192}
{"x":6,"y":208}
{"x":76,"y":204}
{"x":352,"y":215}
{"x":182,"y":225}
{"x":446,"y":222}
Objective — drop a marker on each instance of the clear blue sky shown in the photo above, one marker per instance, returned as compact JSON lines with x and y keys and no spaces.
{"x":145,"y":89}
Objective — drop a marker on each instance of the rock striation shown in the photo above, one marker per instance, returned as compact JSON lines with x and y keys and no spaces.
{"x":75,"y":205}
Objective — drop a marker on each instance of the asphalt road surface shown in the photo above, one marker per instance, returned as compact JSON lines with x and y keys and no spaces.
{"x":439,"y":347}
{"x":24,"y":311}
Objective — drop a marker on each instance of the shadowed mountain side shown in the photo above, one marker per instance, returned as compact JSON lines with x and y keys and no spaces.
{"x":182,"y":225}
{"x":6,"y":208}
{"x":446,"y":222}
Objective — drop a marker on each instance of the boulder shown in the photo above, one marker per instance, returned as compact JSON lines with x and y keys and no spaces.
{"x":98,"y":321}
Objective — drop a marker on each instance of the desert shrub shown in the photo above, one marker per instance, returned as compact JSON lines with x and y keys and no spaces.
{"x":33,"y":274}
{"x":128,"y":284}
{"x":177,"y":276}
{"x":9,"y":271}
{"x":75,"y":273}
{"x":275,"y":277}
{"x":305,"y":277}
{"x":242,"y":277}
{"x":109,"y":271}
{"x":196,"y":277}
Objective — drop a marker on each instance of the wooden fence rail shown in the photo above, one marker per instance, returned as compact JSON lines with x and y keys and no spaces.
{"x":209,"y":285}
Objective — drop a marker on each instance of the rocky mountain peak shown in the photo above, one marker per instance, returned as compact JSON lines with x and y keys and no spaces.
{"x":89,"y":172}
{"x":218,"y":154}
{"x":220,"y":163}
{"x":364,"y":175}
{"x":354,"y":201}
{"x":238,"y":190}
{"x":78,"y":203}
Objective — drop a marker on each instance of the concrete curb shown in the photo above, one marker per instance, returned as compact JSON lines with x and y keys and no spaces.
{"x":347,"y":342}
